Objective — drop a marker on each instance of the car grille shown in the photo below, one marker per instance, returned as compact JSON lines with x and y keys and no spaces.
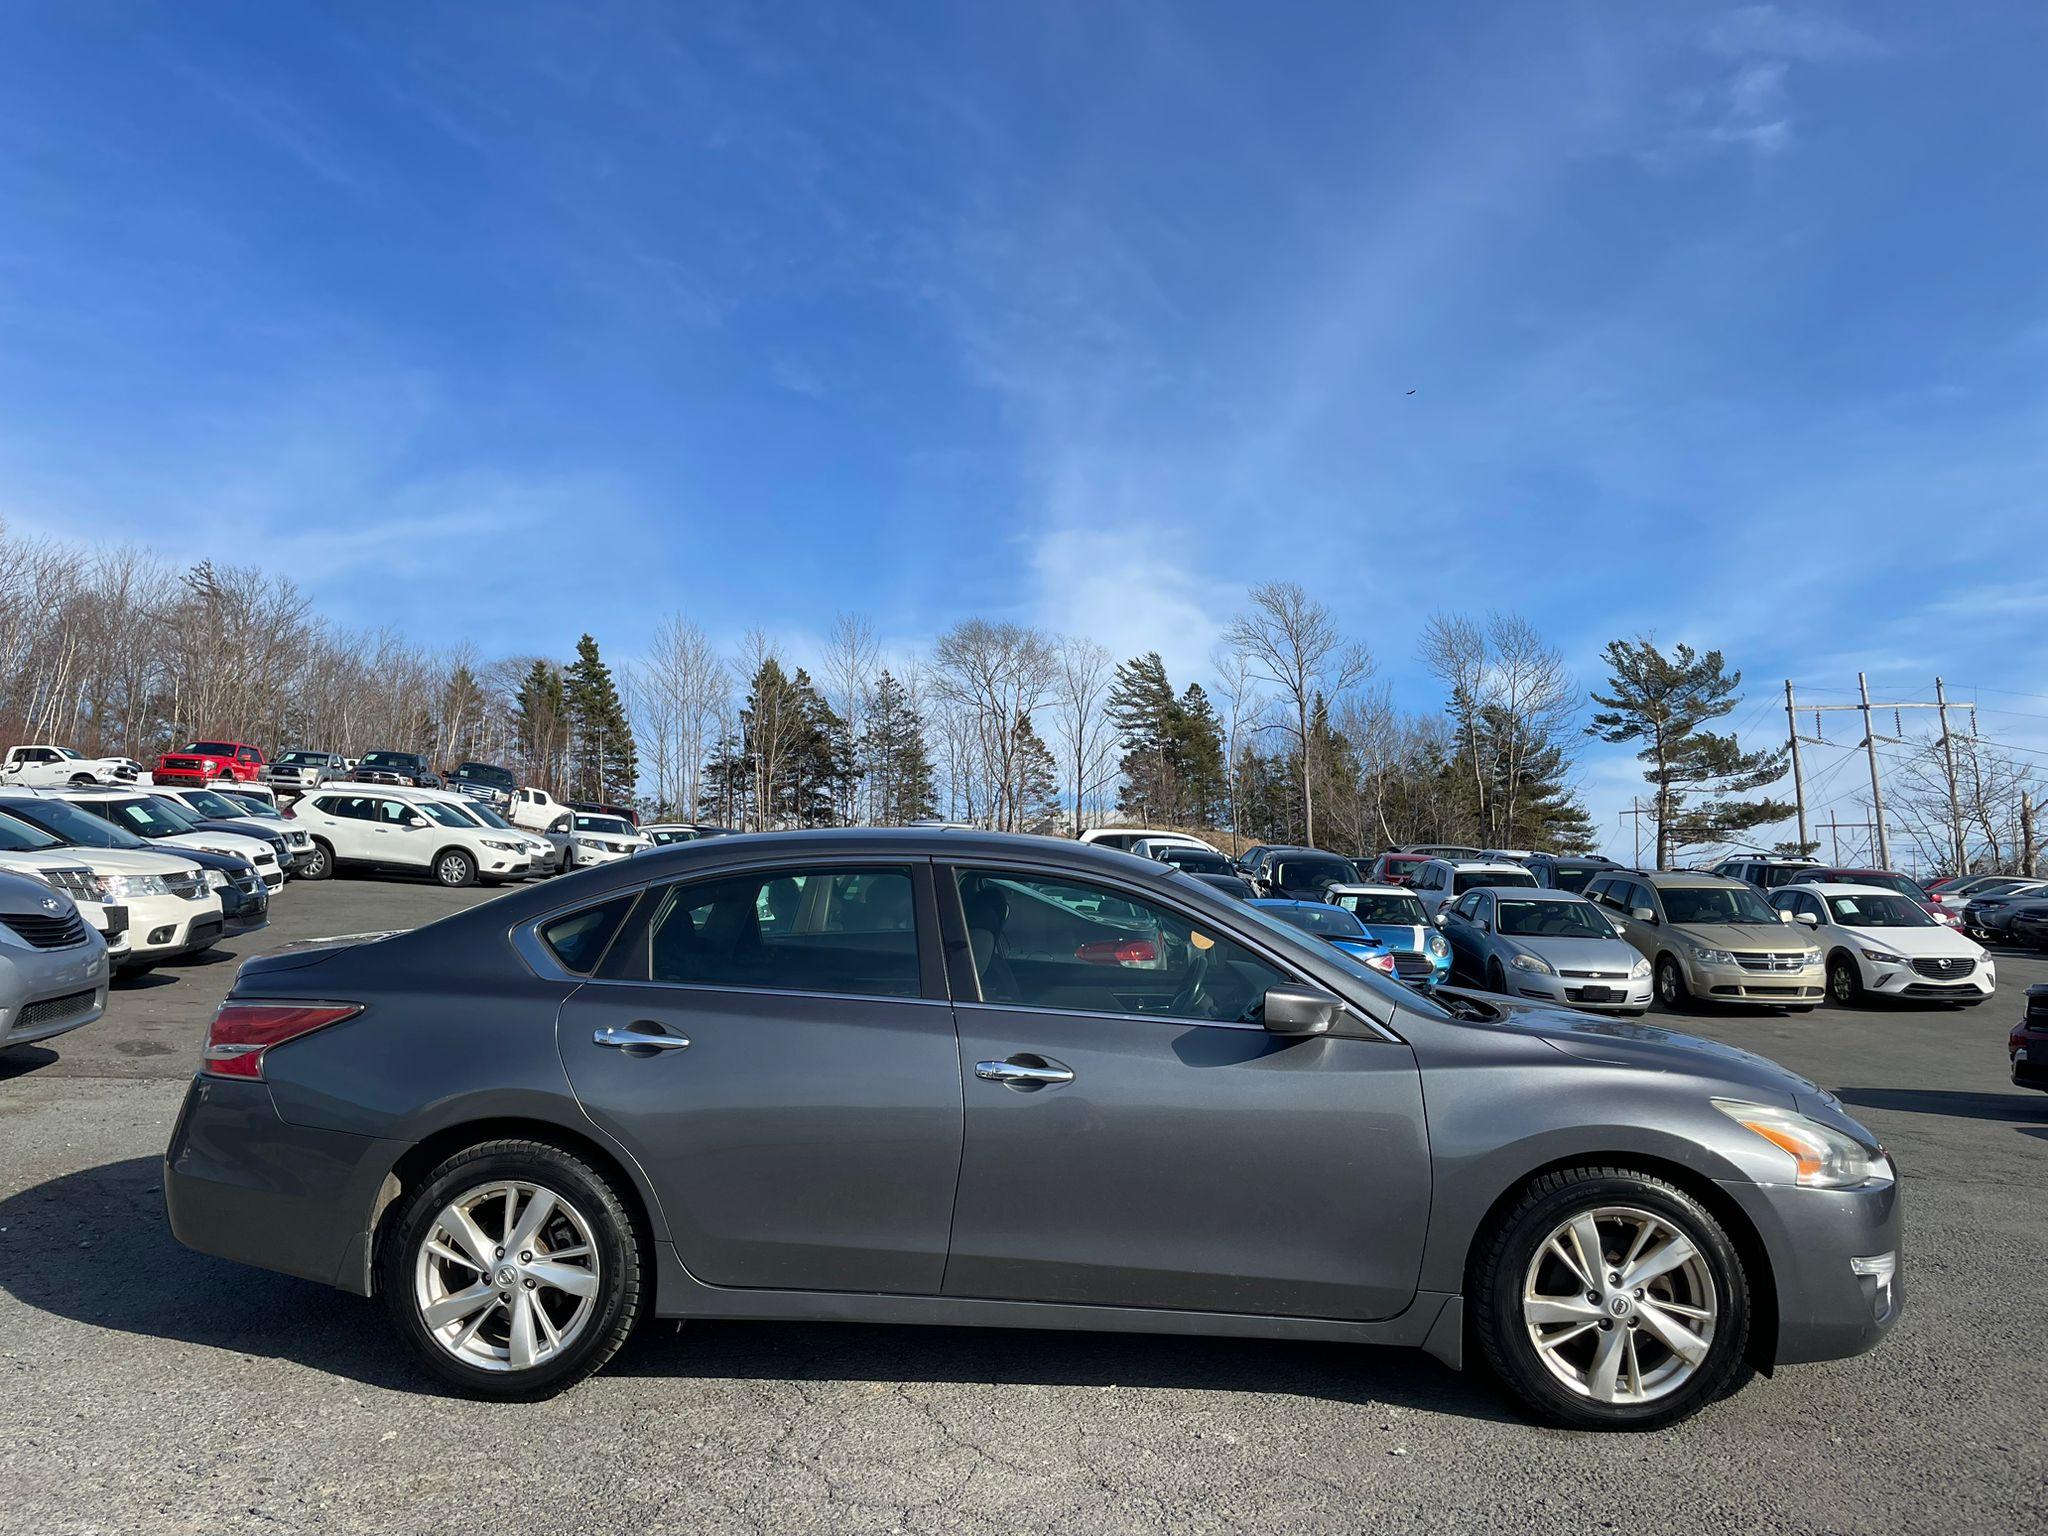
{"x":56,"y":931}
{"x":1411,"y":964}
{"x":1595,"y":975}
{"x":1946,"y":968}
{"x":78,"y":884}
{"x":247,"y":884}
{"x":1773,"y":962}
{"x":54,"y":1010}
{"x":191,"y":887}
{"x":299,"y":839}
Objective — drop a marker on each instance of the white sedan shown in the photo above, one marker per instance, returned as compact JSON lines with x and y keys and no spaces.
{"x":1881,"y":944}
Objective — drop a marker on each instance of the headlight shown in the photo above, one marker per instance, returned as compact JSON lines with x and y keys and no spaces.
{"x":1639,"y":970}
{"x":1812,"y":956}
{"x":1439,"y":945}
{"x":1822,"y":1157}
{"x":215,"y":880}
{"x":1713,"y":956}
{"x":1532,"y":963}
{"x":1881,"y":956}
{"x":591,"y":843}
{"x":492,"y":842}
{"x":121,"y":887}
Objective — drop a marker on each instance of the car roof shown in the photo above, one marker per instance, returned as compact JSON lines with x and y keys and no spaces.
{"x":1372,"y":888}
{"x":1840,"y":888}
{"x":1685,"y":879}
{"x":1467,"y":866}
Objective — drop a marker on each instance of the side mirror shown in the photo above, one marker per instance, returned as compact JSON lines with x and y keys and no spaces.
{"x":1642,"y":914}
{"x":1803,"y":917}
{"x":1438,"y":920}
{"x":415,"y":822}
{"x":1300,"y":1011}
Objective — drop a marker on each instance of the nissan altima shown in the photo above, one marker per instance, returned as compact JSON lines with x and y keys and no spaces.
{"x":955,"y":1078}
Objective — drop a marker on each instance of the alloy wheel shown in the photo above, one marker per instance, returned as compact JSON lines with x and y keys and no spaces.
{"x":507,"y":1278}
{"x":1620,"y":1304}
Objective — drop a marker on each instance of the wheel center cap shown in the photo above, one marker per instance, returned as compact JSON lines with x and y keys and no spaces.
{"x":1618,"y":1306}
{"x":507,"y":1276}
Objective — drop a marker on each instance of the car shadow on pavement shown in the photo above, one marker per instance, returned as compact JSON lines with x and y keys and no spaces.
{"x":24,"y":1059}
{"x":2020,"y":1104}
{"x":95,"y":1246}
{"x":133,"y":981}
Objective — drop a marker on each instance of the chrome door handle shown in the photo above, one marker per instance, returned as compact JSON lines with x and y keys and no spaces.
{"x":1023,"y":1074}
{"x":626,"y":1039}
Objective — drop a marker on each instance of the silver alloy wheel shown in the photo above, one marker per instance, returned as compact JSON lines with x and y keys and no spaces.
{"x":1620,"y":1304}
{"x":1667,"y":983}
{"x":507,"y":1277}
{"x":454,"y":869}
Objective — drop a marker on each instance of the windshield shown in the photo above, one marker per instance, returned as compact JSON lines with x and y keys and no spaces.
{"x":66,"y":755}
{"x":1399,"y":911}
{"x":150,"y":818}
{"x":20,"y":837}
{"x":1329,"y":922}
{"x":1877,"y":877}
{"x":1311,"y":874}
{"x":1551,"y":920}
{"x":1369,"y":983}
{"x":446,"y":814}
{"x":387,"y":760}
{"x":72,"y":825}
{"x":207,"y":803}
{"x":611,"y":826}
{"x":1715,"y":904}
{"x":212,"y":748}
{"x":247,"y":806}
{"x":1875,"y":911}
{"x":484,"y":773}
{"x":1475,"y":879}
{"x":487,"y":816}
{"x":1196,"y":859}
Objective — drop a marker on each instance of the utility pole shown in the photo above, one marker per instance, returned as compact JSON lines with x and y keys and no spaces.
{"x":2029,"y":848}
{"x":1958,"y":846}
{"x":1884,"y":843}
{"x":1798,"y":779}
{"x":1637,"y":810}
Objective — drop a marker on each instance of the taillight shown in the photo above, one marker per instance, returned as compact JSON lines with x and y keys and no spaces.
{"x":1118,"y":952}
{"x":241,"y":1032}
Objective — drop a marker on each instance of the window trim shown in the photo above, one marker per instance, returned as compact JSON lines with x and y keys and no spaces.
{"x":966,"y":982}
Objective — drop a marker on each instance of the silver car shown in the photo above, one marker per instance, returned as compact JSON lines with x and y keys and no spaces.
{"x":53,"y":963}
{"x":972,"y":1080}
{"x":1550,"y":945}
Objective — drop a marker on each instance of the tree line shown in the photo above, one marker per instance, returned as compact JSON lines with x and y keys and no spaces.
{"x":1291,"y":737}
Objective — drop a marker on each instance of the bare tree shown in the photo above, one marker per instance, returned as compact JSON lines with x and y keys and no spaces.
{"x":1080,"y":695}
{"x":852,"y":657}
{"x":993,"y":674}
{"x":1290,"y":640}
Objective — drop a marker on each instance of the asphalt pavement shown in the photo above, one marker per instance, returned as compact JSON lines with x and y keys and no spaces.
{"x":144,"y":1388}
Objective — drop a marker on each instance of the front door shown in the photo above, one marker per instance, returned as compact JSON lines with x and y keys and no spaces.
{"x":1135,"y":1138}
{"x":798,"y":1109}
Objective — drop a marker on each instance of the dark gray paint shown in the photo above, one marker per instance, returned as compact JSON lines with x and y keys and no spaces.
{"x":1303,"y":1205}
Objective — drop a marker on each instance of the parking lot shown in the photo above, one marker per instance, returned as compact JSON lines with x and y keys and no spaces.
{"x":145,"y":1387}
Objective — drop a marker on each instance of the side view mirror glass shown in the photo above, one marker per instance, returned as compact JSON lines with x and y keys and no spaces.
{"x":1803,"y":917}
{"x":1300,"y":1011}
{"x":415,"y":822}
{"x":1642,"y":914}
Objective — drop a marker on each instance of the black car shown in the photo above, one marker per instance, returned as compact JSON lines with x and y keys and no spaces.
{"x":1567,"y":871}
{"x":2029,"y":923}
{"x":486,"y":782}
{"x":1195,"y":861}
{"x":625,"y":813}
{"x":1302,"y":874}
{"x":2027,"y":1045}
{"x":1229,"y":885}
{"x":396,"y":768}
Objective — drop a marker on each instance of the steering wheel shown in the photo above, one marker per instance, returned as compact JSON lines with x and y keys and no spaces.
{"x":1193,"y":1000}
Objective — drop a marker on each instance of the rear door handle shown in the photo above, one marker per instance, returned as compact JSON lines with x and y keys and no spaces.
{"x":1024,"y":1072}
{"x":639,"y":1039}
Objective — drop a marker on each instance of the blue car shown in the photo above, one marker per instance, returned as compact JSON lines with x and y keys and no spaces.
{"x":1334,"y":926}
{"x":1393,"y":915}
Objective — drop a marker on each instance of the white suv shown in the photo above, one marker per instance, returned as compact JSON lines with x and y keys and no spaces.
{"x":595,"y":839}
{"x":1881,"y":944}
{"x":1442,"y":881}
{"x":174,"y":907}
{"x":385,"y":826}
{"x":542,"y":855}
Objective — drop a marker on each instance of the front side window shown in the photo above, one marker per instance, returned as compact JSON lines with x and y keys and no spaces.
{"x":1873,"y":911}
{"x":845,"y":931}
{"x":1469,"y":907}
{"x":447,"y":815}
{"x":1040,"y":941}
{"x":1312,"y":874}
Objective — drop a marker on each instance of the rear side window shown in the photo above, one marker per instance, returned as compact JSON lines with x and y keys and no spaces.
{"x":579,"y":939}
{"x":845,"y":931}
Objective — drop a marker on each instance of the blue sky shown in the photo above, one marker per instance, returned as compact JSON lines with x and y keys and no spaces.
{"x":497,"y":323}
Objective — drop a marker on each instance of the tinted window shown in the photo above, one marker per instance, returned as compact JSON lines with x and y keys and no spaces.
{"x":1312,"y":874}
{"x":1566,"y":878}
{"x":446,"y":814}
{"x":788,"y":930}
{"x":1368,"y":908}
{"x":1874,"y":911}
{"x":1716,"y":904}
{"x":579,"y":939}
{"x":1472,"y":879}
{"x":1042,"y":942}
{"x":1320,"y":918}
{"x":1552,"y":920}
{"x":212,"y":748}
{"x":1196,"y":860}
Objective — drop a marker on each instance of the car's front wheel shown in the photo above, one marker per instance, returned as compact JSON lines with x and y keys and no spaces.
{"x":1607,"y":1298}
{"x":1845,"y":986}
{"x":1672,"y":991}
{"x":454,"y":867}
{"x":513,"y":1270}
{"x":319,"y":863}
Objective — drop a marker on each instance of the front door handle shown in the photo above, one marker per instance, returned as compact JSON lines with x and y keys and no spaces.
{"x":1024,"y":1072}
{"x":639,"y":1039}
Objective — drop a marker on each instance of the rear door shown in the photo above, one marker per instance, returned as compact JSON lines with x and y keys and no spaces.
{"x":776,"y":1048}
{"x":1135,"y":1138}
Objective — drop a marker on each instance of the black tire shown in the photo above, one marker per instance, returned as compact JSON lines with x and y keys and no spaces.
{"x":1672,"y":991}
{"x":1507,"y":1250}
{"x":319,"y":863}
{"x":616,"y":1305}
{"x":455,"y":867}
{"x":1845,"y":982}
{"x":1496,"y":978}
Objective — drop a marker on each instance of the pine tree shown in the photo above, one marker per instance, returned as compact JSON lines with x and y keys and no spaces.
{"x":541,"y":725}
{"x":810,"y":790}
{"x":603,"y":765}
{"x":1145,"y":713}
{"x":1662,"y":702}
{"x":1197,"y":751}
{"x":1037,"y":790}
{"x":895,"y":757}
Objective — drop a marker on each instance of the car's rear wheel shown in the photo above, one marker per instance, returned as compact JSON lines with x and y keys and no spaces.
{"x":513,"y":1270}
{"x":1672,"y":991}
{"x":1845,"y":986}
{"x":1607,"y":1298}
{"x":452,"y":866}
{"x":319,"y":863}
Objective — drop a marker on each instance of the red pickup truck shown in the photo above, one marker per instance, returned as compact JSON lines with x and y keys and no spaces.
{"x":207,"y":762}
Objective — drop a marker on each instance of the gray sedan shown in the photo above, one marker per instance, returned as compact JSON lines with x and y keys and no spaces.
{"x":1554,"y":946}
{"x":963,"y":1079}
{"x":53,"y":963}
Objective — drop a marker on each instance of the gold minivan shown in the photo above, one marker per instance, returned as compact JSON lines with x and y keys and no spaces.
{"x":1713,"y":938}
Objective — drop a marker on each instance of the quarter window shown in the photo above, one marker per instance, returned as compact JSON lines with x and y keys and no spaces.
{"x":848,"y":931}
{"x":1039,"y":941}
{"x":579,"y":939}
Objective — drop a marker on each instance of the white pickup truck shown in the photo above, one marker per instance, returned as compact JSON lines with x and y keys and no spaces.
{"x":45,"y":767}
